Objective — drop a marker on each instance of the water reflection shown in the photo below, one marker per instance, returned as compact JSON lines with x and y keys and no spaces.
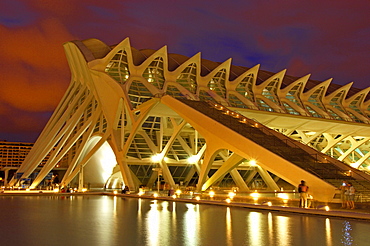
{"x":158,"y":223}
{"x":283,"y":234}
{"x":254,"y":228}
{"x":346,"y":236}
{"x":228,"y":227}
{"x":191,"y":224}
{"x":328,"y":232}
{"x":270,"y":227}
{"x":95,"y":220}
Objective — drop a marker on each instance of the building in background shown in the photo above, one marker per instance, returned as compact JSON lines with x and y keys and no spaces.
{"x":13,"y":154}
{"x":149,"y":118}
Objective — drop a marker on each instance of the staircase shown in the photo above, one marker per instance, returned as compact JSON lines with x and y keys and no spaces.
{"x":326,"y":168}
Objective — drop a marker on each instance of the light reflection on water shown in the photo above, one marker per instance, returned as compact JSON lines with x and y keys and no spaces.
{"x":105,"y":220}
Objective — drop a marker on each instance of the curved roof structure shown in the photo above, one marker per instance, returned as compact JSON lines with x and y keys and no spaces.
{"x":129,"y":99}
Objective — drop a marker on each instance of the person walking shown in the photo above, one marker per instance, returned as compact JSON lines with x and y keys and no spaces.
{"x":302,"y":190}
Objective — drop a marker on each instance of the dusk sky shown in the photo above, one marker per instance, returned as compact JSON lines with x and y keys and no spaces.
{"x":327,"y":39}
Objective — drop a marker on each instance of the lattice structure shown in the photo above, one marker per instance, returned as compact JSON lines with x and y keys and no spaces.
{"x":121,"y":96}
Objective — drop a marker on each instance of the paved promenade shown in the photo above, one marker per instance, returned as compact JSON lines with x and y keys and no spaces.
{"x":362,"y":212}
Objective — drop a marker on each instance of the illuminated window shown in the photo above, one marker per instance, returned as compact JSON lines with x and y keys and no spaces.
{"x":334,"y":115}
{"x":188,"y":77}
{"x":139,"y":148}
{"x":336,"y":101}
{"x":315,"y":98}
{"x":354,"y":105}
{"x":204,"y":96}
{"x":313,"y":112}
{"x":293,"y":94}
{"x":174,"y":92}
{"x":245,"y":87}
{"x":138,"y":93}
{"x":263,"y":105}
{"x":354,"y":117}
{"x":117,"y":68}
{"x":289,"y":109}
{"x":235,"y":102}
{"x":270,"y":91}
{"x":154,"y":73}
{"x":217,"y":83}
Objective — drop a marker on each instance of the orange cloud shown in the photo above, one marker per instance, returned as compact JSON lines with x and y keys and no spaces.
{"x":34,"y":71}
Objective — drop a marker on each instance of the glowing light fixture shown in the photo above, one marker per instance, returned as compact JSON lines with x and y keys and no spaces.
{"x":283,"y":196}
{"x":228,"y":200}
{"x":192,"y":159}
{"x":327,"y":208}
{"x":155,"y":195}
{"x":115,"y":192}
{"x":231,"y":195}
{"x":156,"y":158}
{"x":197,"y":198}
{"x":253,"y":162}
{"x":255,"y":195}
{"x":174,"y":196}
{"x":211,"y":193}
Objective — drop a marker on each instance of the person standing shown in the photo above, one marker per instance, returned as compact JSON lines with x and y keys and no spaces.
{"x":351,"y":196}
{"x":343,"y":198}
{"x":302,"y":190}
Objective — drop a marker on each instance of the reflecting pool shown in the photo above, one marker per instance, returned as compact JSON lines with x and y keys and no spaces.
{"x":111,"y":220}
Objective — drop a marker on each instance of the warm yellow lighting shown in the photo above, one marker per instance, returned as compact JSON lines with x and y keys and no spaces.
{"x":231,"y":195}
{"x":141,"y":193}
{"x":269,"y":204}
{"x":174,"y":196}
{"x":115,"y":192}
{"x":178,"y":192}
{"x":156,"y":158}
{"x":155,"y":195}
{"x":283,"y":196}
{"x":191,"y":193}
{"x":228,"y":200}
{"x":197,"y":198}
{"x":255,"y":195}
{"x":253,"y":163}
{"x":84,"y":189}
{"x":56,"y":190}
{"x":28,"y":189}
{"x":327,"y":208}
{"x":192,"y":159}
{"x":211,"y":193}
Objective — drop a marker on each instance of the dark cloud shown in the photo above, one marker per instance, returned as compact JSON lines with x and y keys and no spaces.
{"x":324,"y":38}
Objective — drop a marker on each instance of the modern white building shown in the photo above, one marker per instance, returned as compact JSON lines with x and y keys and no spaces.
{"x":124,"y":120}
